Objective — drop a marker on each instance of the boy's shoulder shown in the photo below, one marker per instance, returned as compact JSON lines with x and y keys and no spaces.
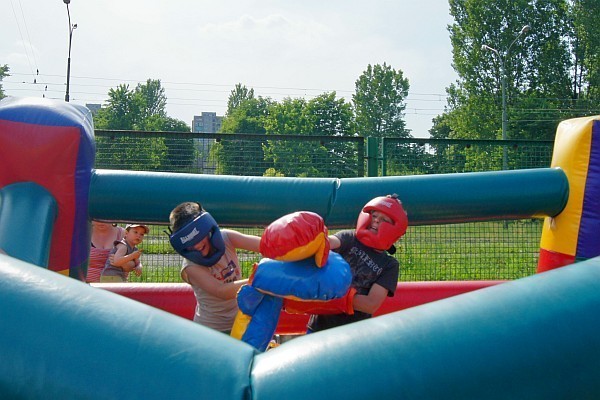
{"x":119,"y":243}
{"x":347,"y":238}
{"x":346,"y":232}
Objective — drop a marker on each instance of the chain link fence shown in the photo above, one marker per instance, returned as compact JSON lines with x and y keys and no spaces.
{"x":443,"y":156}
{"x":470,"y":251}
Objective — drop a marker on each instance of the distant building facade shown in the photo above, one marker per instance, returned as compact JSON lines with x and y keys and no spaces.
{"x":207,"y":122}
{"x":93,"y":107}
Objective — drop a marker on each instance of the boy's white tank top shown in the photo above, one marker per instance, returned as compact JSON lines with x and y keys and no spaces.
{"x":212,"y":311}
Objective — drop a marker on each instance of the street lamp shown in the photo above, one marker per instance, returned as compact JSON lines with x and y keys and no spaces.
{"x":502,"y":60}
{"x":72,"y":27}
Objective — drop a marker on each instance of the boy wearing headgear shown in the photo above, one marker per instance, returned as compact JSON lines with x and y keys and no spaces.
{"x":210,"y":263}
{"x":381,"y":223}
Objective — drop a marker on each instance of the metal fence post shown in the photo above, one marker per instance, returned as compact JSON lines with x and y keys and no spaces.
{"x":372,"y":150}
{"x":383,"y":158}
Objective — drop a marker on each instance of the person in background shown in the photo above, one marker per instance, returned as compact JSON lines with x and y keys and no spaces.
{"x":368,"y":249}
{"x":210,"y":263}
{"x":125,"y":256}
{"x":104,"y":236}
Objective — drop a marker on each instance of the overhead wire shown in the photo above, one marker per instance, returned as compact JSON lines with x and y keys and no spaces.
{"x":195,"y":100}
{"x":26,"y":43}
{"x":223,"y":89}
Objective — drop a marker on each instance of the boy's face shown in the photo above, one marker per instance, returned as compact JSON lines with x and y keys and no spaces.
{"x":378,"y":218}
{"x":203,"y":246}
{"x":135,"y":235}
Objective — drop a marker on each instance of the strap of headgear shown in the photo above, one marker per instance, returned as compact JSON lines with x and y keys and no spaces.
{"x":387,"y":234}
{"x":193,"y":233}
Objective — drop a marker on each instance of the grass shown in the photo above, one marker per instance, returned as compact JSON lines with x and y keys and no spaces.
{"x":471,"y":251}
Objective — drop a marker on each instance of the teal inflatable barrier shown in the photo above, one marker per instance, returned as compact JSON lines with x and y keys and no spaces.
{"x":27,"y":216}
{"x":240,"y":200}
{"x":534,"y":338}
{"x":257,"y":201}
{"x":461,"y":197}
{"x":62,"y":339}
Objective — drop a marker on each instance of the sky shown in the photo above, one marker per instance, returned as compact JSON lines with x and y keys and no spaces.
{"x":201,"y":49}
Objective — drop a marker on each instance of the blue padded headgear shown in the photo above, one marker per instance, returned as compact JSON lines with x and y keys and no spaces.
{"x":193,"y":233}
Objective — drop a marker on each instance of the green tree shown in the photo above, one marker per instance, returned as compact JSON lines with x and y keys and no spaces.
{"x":179,"y":151}
{"x":329,"y":116}
{"x":121,"y":112}
{"x":3,"y":74}
{"x":242,"y":155}
{"x":585,"y":44}
{"x":151,"y":100}
{"x":290,"y":157}
{"x":120,"y":151}
{"x":379,"y":102}
{"x":546,"y":69}
{"x":325,"y":115}
{"x":142,"y":109}
{"x":440,"y":130}
{"x":248,"y":116}
{"x":237,"y":96}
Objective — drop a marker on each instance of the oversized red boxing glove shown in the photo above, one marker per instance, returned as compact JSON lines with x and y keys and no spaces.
{"x":296,"y":236}
{"x":343,"y":305}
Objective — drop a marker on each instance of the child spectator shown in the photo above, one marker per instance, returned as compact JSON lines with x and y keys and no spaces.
{"x":125,"y":256}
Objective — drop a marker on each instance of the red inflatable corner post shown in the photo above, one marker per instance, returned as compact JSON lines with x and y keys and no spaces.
{"x":50,"y":143}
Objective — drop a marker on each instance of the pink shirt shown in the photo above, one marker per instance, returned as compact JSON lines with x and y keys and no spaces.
{"x":98,"y":258}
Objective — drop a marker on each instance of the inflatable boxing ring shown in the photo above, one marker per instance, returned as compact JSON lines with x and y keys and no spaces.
{"x":532,"y":338}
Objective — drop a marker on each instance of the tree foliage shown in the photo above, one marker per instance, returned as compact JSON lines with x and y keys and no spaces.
{"x":142,"y":109}
{"x":138,"y":109}
{"x":548,"y":71}
{"x":242,"y":155}
{"x":321,"y":117}
{"x":298,"y":157}
{"x":585,"y":44}
{"x":290,"y":157}
{"x":237,"y":96}
{"x":253,"y":122}
{"x":121,"y":111}
{"x":380,"y":87}
{"x":3,"y":74}
{"x":379,"y":102}
{"x":329,"y":116}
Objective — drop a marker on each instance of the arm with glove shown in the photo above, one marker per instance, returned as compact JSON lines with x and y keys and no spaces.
{"x":298,"y":267}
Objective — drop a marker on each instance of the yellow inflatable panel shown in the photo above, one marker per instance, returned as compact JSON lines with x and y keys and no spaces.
{"x":571,"y":153}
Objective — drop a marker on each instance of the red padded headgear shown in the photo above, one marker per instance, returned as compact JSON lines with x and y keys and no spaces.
{"x":387,"y":234}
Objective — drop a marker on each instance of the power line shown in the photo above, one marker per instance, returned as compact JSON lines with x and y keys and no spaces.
{"x":28,"y":41}
{"x":53,"y":88}
{"x":194,"y":89}
{"x":440,"y":97}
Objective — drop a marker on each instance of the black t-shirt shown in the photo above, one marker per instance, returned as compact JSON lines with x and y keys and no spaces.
{"x":368,"y":266}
